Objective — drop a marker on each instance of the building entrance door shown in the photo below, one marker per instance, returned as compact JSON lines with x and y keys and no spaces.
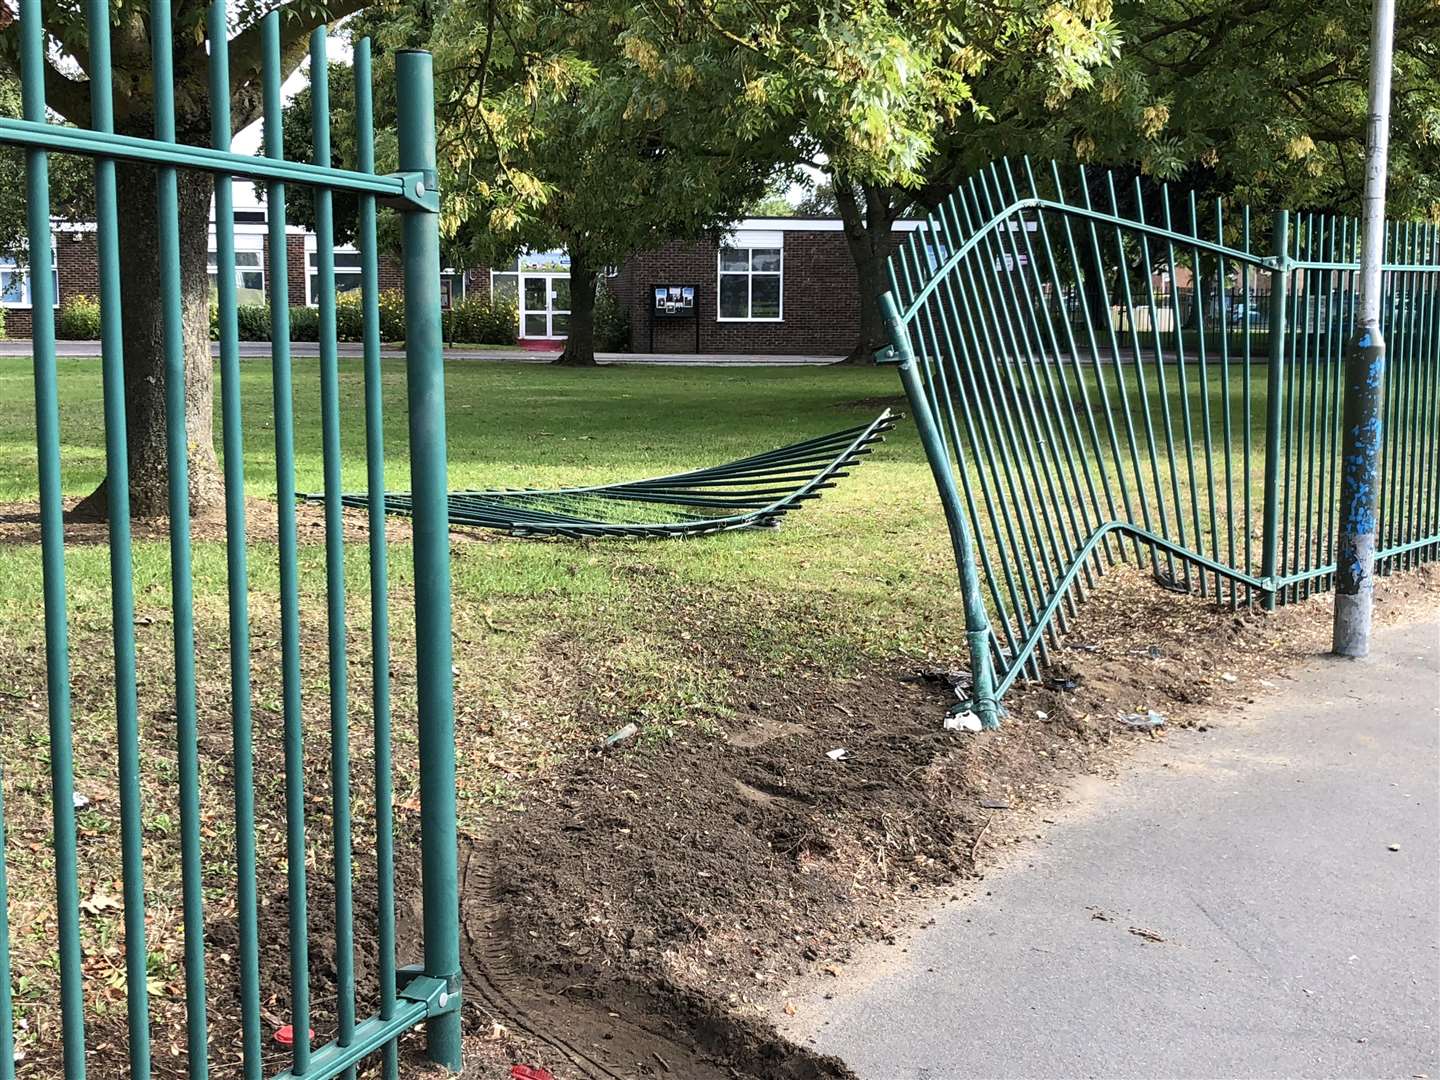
{"x":544,"y":305}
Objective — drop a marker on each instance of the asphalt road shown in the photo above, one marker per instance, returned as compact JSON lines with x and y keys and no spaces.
{"x":1296,"y":943}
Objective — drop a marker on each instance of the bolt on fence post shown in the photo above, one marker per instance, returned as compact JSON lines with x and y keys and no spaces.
{"x":1274,"y":383}
{"x":425,"y":379}
{"x":977,"y":622}
{"x":1365,"y":374}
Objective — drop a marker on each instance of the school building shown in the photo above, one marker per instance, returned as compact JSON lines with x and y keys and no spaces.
{"x":766,"y":285}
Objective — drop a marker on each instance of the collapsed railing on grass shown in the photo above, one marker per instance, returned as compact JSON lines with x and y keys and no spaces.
{"x":754,"y":492}
{"x":1202,"y":444}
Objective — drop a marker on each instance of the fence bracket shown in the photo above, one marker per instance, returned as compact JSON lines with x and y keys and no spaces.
{"x":888,"y":355}
{"x":439,"y":996}
{"x":420,"y":191}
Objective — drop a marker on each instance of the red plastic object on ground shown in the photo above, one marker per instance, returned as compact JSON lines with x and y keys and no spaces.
{"x":530,"y":1072}
{"x":285,"y":1036}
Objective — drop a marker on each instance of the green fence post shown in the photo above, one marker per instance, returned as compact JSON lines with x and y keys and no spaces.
{"x":977,"y":622}
{"x":1279,"y":289}
{"x":425,"y":379}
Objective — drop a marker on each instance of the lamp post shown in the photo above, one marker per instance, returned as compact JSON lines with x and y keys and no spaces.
{"x":1365,"y":371}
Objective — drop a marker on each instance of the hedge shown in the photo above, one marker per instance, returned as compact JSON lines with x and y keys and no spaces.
{"x":470,"y":320}
{"x":474,"y":320}
{"x":79,"y":319}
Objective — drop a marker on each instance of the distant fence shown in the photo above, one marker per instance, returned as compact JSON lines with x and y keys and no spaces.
{"x":1077,"y":408}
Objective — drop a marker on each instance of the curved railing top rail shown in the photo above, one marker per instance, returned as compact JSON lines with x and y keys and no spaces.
{"x":923,"y":275}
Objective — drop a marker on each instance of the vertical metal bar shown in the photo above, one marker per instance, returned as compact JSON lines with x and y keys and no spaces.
{"x":939,"y":363}
{"x":1306,"y":361}
{"x":294,"y":736}
{"x":1291,"y":462}
{"x":1005,"y":355}
{"x":379,"y":555}
{"x":1162,"y":383}
{"x":1322,"y":526}
{"x":1117,"y":364}
{"x":967,"y":299}
{"x":52,"y":550}
{"x":1070,"y":427}
{"x":181,"y":578}
{"x":1127,"y":292}
{"x":334,"y":550}
{"x":1274,"y":384}
{"x":1183,"y":378}
{"x":1041,"y":425}
{"x":1247,"y":407}
{"x":1109,"y":508}
{"x":957,"y":387}
{"x":122,"y":593}
{"x":1202,"y":356}
{"x":977,"y":628}
{"x":1227,"y":429}
{"x":1431,"y":377}
{"x":426,"y":380}
{"x":237,"y":569}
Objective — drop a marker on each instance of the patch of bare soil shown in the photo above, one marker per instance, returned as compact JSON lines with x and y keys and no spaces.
{"x":709,"y":871}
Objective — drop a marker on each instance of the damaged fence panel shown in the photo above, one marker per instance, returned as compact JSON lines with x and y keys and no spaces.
{"x":429,"y":993}
{"x":1104,"y":372}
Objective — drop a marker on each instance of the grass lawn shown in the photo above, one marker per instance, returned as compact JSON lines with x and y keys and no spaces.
{"x":556,"y":642}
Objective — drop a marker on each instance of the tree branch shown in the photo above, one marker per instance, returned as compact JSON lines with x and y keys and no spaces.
{"x":297,"y":19}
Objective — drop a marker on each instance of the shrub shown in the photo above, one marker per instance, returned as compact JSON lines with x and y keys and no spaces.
{"x":478,"y":321}
{"x":304,"y":324}
{"x":253,"y":321}
{"x":612,"y":322}
{"x":79,"y":319}
{"x":392,"y":315}
{"x":2,"y":324}
{"x":349,"y":316}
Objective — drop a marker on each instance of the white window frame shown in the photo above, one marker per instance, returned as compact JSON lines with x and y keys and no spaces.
{"x":247,"y":241}
{"x":312,"y":271}
{"x":12,"y":264}
{"x":749,"y":244}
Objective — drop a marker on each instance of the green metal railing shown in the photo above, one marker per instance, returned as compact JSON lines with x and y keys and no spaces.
{"x":1202,"y":446}
{"x":429,"y":994}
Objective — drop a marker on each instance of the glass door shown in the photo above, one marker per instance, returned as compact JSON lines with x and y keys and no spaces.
{"x":544,"y":305}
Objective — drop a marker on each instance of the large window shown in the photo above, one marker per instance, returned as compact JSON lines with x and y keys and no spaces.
{"x":347,"y":274}
{"x":249,"y":269}
{"x":452,"y":287}
{"x":15,"y":280}
{"x":751,"y":273}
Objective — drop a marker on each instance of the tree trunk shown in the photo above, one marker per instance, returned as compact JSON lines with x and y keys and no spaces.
{"x":580,"y":343}
{"x":867,"y":234}
{"x":144,"y":336}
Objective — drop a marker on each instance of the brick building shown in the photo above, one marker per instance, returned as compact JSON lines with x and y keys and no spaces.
{"x":768,"y":285}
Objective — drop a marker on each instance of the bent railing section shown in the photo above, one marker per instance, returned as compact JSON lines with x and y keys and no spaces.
{"x":753,"y":492}
{"x":1109,"y":371}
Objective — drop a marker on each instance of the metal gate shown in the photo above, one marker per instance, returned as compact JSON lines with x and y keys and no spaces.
{"x":1107,"y":372}
{"x":431,"y":993}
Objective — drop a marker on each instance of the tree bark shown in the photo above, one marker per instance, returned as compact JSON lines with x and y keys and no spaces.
{"x":144,"y":343}
{"x":580,"y":343}
{"x":867,"y":235}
